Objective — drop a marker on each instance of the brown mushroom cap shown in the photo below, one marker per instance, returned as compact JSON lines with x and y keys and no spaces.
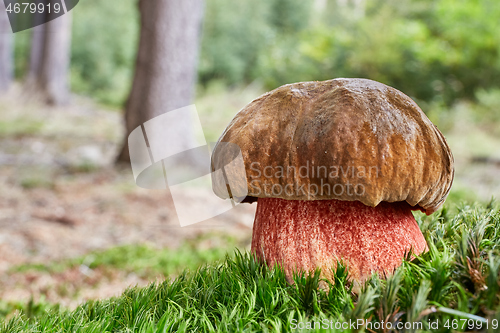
{"x":362,"y":132}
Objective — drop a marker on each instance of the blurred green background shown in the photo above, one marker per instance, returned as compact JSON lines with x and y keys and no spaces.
{"x":436,"y":51}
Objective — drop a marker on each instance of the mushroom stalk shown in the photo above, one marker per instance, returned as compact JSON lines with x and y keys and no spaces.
{"x":303,"y":235}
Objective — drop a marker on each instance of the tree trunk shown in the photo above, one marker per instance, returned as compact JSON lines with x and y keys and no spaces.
{"x":49,"y":60}
{"x":166,"y":61}
{"x":5,"y":50}
{"x":36,"y":51}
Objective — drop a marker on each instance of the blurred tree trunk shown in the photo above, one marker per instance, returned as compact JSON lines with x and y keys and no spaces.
{"x":49,"y":60}
{"x":6,"y":59}
{"x":36,"y":50}
{"x":166,"y":63}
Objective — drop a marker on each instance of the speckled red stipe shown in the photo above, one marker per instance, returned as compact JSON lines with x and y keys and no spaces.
{"x":308,"y":234}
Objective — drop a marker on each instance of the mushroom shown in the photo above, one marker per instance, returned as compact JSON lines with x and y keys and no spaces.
{"x":336,"y":168}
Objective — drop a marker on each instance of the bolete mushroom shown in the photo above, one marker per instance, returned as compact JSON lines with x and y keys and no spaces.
{"x":336,"y":168}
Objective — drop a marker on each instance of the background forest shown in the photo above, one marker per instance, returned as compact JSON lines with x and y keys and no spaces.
{"x":75,"y":227}
{"x":435,"y":51}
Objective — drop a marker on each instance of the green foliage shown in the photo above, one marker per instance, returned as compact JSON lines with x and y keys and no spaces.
{"x":19,"y":126}
{"x":457,"y":279}
{"x":144,"y":260}
{"x":103,"y":47}
{"x":21,"y":43}
{"x":29,"y":309}
{"x":435,"y":51}
{"x":237,"y":33}
{"x":440,"y":50}
{"x":233,"y":32}
{"x":105,"y":39}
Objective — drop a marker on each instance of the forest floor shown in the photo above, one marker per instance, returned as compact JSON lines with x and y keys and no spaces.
{"x":61,"y":196}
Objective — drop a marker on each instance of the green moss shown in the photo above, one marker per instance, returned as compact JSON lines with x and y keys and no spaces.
{"x":455,"y":283}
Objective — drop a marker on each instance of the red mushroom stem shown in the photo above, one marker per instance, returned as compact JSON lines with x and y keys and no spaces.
{"x":303,"y":235}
